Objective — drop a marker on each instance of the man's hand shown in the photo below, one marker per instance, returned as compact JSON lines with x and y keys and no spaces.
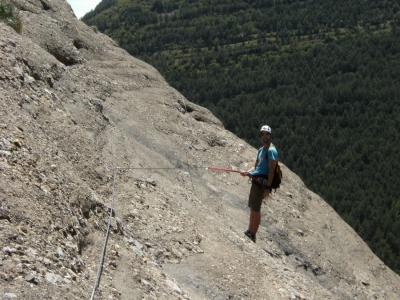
{"x":243,"y":173}
{"x":266,"y":193}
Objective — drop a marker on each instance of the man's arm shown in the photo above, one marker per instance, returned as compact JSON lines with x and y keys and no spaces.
{"x":244,"y":173}
{"x":271,"y":165}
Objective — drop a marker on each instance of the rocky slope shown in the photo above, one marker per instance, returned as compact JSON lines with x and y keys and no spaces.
{"x":88,"y":132}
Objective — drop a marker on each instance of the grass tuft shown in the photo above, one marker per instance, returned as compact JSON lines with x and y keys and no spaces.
{"x":9,"y":16}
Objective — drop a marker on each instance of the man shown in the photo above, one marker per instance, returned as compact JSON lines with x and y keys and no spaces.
{"x":264,"y":168}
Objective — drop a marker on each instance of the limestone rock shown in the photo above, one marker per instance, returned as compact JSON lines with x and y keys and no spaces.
{"x":88,"y":132}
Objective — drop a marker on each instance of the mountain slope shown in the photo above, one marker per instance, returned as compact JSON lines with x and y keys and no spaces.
{"x":323,"y":74}
{"x":73,"y":107}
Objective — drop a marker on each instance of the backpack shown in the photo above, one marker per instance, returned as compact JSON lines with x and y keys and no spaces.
{"x":276,"y":181}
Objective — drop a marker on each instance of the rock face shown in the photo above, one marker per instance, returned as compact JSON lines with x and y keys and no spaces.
{"x":93,"y":139}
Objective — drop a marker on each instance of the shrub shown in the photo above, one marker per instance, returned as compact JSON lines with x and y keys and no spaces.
{"x":10,"y":17}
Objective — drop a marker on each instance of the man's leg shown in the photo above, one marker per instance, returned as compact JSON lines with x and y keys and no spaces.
{"x":255,"y":201}
{"x":255,"y":219}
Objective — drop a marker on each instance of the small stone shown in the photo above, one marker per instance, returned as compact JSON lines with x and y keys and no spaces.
{"x":31,"y":252}
{"x":18,"y":70}
{"x":17,"y":143}
{"x":31,"y":278}
{"x":9,"y":250}
{"x":138,"y":245}
{"x":10,"y":42}
{"x":52,"y":278}
{"x":27,"y":80}
{"x":151,"y":181}
{"x":146,"y":283}
{"x":4,"y":153}
{"x":98,"y":105}
{"x":115,"y":292}
{"x":173,"y":286}
{"x":72,"y":274}
{"x":59,"y":252}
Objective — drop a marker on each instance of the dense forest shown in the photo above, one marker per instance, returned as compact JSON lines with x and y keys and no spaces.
{"x":325,"y":75}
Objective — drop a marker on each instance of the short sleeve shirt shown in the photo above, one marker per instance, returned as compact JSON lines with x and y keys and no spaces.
{"x":263,"y":156}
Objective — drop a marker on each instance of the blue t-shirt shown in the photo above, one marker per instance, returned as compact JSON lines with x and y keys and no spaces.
{"x":263,"y":156}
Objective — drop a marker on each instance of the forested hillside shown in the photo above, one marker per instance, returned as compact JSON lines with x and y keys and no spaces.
{"x":323,"y":74}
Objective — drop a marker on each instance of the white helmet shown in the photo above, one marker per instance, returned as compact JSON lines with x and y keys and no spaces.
{"x":266,"y":128}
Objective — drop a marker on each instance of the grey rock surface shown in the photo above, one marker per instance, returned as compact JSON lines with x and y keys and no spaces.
{"x":73,"y":108}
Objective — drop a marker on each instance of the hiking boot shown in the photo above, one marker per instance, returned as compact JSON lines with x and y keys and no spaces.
{"x":250,"y":235}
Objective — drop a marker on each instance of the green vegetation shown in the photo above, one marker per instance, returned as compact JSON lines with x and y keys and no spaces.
{"x":10,"y":17}
{"x":323,"y":74}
